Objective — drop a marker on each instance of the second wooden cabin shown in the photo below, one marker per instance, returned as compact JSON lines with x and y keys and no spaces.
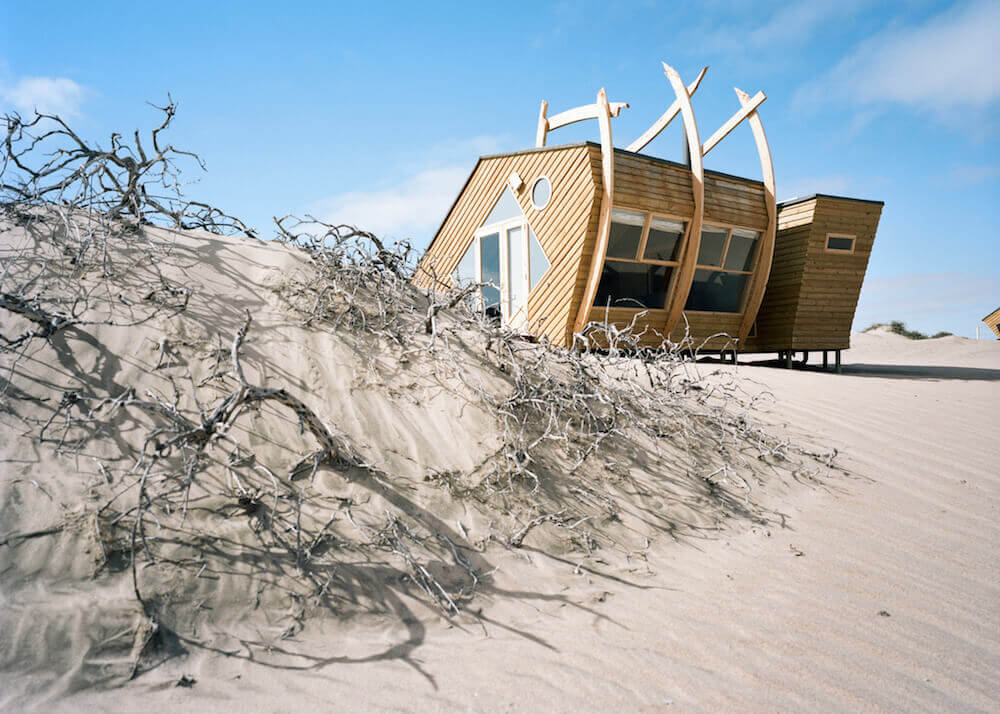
{"x":582,"y":234}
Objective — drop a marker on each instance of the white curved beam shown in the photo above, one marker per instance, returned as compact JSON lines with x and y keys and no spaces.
{"x":571,"y":116}
{"x":543,"y":125}
{"x":733,"y":122}
{"x":668,"y":116}
{"x":604,"y":222}
{"x":758,"y":282}
{"x":685,"y":271}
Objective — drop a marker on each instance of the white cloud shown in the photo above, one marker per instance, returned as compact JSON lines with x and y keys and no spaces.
{"x":797,"y":22}
{"x":47,"y":95}
{"x":793,"y":23}
{"x":947,"y":62}
{"x":412,"y":208}
{"x":969,"y":175}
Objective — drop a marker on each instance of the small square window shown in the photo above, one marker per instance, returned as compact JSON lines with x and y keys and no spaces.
{"x":839,"y":243}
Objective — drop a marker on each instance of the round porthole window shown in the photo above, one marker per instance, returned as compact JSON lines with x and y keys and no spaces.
{"x":541,"y":192}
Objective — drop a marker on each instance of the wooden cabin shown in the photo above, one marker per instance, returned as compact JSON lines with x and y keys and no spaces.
{"x":993,"y":322}
{"x":570,"y":235}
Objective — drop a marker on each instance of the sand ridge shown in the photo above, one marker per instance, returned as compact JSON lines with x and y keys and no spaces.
{"x":776,"y":613}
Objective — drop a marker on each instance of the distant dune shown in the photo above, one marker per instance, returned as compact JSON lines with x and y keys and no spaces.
{"x":659,"y":575}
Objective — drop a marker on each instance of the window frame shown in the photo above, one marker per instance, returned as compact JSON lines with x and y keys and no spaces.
{"x":502,"y":227}
{"x":531,"y":194}
{"x":840,"y":251}
{"x":641,"y":249}
{"x":729,"y":228}
{"x":650,"y":215}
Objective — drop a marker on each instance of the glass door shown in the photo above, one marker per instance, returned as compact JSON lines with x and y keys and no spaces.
{"x":501,"y":252}
{"x":517,"y":276}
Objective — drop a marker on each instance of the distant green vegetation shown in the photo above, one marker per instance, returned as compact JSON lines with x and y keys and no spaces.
{"x":900,"y":329}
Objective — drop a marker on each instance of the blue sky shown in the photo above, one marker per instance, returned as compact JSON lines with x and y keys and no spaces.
{"x":374,"y":113}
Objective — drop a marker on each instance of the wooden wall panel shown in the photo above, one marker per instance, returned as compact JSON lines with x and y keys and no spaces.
{"x":561,"y":227}
{"x":993,"y":322}
{"x":647,"y":184}
{"x":831,"y":282}
{"x":812,"y":294}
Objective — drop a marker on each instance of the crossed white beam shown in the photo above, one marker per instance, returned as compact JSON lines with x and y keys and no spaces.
{"x":604,"y":111}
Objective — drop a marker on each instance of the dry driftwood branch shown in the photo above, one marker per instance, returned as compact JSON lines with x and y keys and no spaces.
{"x":565,"y":419}
{"x":46,"y":162}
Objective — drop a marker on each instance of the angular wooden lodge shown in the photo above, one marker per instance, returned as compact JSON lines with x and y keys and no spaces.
{"x":587,"y":233}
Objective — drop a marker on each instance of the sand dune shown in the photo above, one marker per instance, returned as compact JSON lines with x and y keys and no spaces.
{"x":869,"y":586}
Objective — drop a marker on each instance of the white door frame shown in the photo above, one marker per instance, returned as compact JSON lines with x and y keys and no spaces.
{"x":511,"y":314}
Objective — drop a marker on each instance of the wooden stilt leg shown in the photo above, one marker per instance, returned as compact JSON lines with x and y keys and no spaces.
{"x":788,"y":359}
{"x":826,"y":364}
{"x":837,"y":368}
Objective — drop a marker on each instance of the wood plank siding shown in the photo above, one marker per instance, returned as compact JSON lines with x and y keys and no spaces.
{"x":646,"y":183}
{"x":812,"y":292}
{"x":993,"y":322}
{"x":567,"y":222}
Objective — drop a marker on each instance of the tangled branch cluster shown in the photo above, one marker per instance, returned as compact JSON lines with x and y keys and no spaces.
{"x":45,"y":163}
{"x":568,"y":422}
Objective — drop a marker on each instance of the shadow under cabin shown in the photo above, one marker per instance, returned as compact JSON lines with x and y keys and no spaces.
{"x":568,"y":236}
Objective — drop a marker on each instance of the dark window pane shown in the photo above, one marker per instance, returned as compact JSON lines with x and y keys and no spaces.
{"x":626,"y":232}
{"x":713,"y":242}
{"x":741,"y":249}
{"x":716,"y":291}
{"x":632,"y":285}
{"x":664,"y":237}
{"x":838,"y":243}
{"x":489,"y":256}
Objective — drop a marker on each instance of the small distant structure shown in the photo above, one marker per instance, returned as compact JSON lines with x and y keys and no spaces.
{"x":993,"y":322}
{"x":583,"y":233}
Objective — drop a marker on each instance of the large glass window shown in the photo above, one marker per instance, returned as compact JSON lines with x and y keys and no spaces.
{"x":638,"y":285}
{"x":641,"y":257}
{"x":626,"y":233}
{"x":725,"y":262}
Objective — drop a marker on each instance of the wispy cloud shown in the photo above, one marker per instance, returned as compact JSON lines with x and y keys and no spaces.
{"x":946,"y":63}
{"x":965,"y":176}
{"x":413,"y":206}
{"x":798,"y":22}
{"x":48,"y":95}
{"x":792,"y":24}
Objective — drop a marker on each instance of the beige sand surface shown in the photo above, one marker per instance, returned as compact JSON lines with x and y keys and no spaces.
{"x":775,"y":616}
{"x":744,"y":623}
